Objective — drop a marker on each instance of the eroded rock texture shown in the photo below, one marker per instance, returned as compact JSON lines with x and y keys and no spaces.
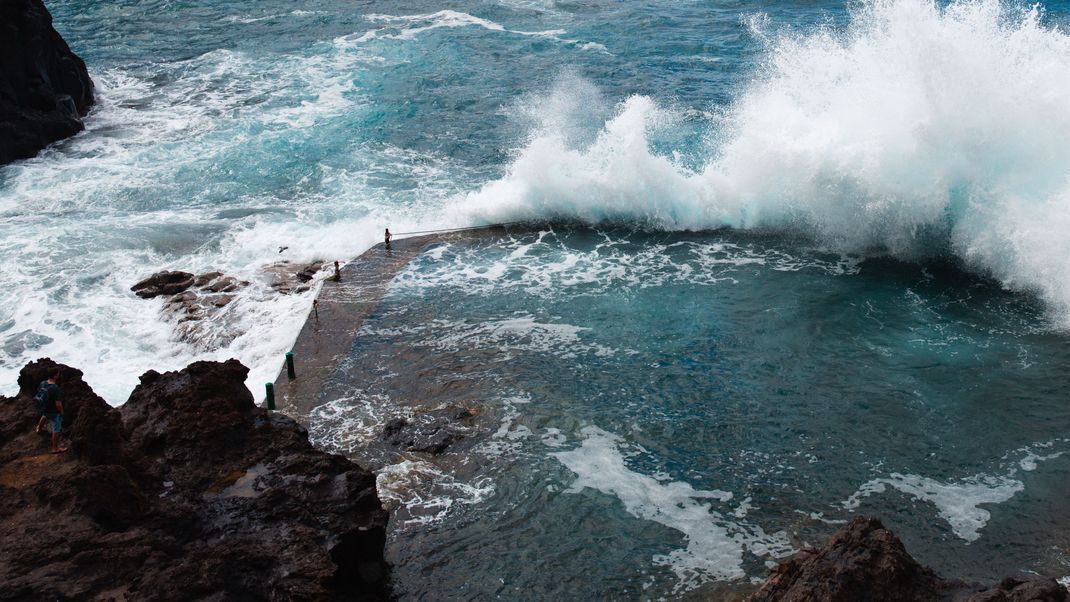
{"x":188,"y":491}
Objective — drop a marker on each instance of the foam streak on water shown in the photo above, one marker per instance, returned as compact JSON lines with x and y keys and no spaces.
{"x":715,"y":543}
{"x":959,"y":502}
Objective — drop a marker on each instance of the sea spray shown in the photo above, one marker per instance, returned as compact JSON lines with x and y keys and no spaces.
{"x":917,"y":129}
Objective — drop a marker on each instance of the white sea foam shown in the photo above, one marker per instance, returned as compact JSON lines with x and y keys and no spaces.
{"x":542,"y":266}
{"x":716,"y":541}
{"x":510,"y":436}
{"x":959,"y":501}
{"x":408,"y":27}
{"x":67,"y":277}
{"x":1034,"y":454}
{"x":518,"y":333}
{"x":348,"y":425}
{"x":245,"y":20}
{"x":416,"y":490}
{"x":921,"y":127}
{"x":422,"y":494}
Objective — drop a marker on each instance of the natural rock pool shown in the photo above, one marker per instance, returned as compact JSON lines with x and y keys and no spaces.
{"x":666,"y":414}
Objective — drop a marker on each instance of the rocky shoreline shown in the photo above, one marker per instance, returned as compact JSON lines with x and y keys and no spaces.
{"x":188,"y":490}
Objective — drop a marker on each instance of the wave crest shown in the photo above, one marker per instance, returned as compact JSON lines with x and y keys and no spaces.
{"x":916,"y":129}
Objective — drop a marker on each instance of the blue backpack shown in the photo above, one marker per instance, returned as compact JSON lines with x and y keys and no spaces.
{"x":44,"y":402}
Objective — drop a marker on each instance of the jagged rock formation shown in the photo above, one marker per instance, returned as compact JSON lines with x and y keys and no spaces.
{"x":865,"y":561}
{"x":45,"y":89}
{"x":188,"y":491}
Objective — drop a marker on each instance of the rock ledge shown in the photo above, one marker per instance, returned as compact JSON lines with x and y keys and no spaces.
{"x":188,"y":491}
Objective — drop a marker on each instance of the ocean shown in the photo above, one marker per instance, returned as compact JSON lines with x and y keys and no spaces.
{"x":782,"y":265}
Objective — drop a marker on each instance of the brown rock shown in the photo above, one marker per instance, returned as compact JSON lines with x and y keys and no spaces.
{"x":865,"y":561}
{"x":205,"y":279}
{"x":197,"y":300}
{"x":288,"y":277}
{"x":189,"y":491}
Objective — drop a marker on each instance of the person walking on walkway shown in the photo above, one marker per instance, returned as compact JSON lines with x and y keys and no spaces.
{"x":46,"y":402}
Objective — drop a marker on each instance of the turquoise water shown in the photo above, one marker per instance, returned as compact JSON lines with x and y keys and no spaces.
{"x":669,"y":412}
{"x":810,"y":255}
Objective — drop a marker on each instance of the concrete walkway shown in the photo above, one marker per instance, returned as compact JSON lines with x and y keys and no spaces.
{"x":332,"y":326}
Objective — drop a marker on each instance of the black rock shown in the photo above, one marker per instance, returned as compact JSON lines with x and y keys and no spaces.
{"x":163,"y":283}
{"x":45,"y":89}
{"x":432,"y":432}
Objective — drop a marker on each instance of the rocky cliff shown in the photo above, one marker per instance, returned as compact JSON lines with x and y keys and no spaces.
{"x":188,"y":491}
{"x":45,"y":89}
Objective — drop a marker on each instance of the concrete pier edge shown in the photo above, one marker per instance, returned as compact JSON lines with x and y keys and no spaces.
{"x":334,"y":321}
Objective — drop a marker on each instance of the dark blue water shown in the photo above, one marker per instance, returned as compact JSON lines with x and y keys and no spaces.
{"x":810,"y":260}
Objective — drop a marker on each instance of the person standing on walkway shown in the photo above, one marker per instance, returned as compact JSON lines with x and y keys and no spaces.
{"x":46,"y":402}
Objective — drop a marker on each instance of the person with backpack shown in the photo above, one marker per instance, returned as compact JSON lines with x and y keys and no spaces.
{"x":46,"y":403}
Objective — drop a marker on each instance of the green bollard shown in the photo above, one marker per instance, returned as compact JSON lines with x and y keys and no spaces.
{"x":290,"y":365}
{"x":270,"y":396}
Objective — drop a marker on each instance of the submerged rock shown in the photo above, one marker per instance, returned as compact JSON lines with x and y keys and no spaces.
{"x":431,"y":432}
{"x":45,"y":89}
{"x":865,"y":561}
{"x":188,"y":491}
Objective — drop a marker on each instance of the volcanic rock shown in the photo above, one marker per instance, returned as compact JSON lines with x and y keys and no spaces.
{"x":163,"y":283}
{"x":189,"y":491}
{"x":45,"y":89}
{"x":431,"y":432}
{"x":865,"y":561}
{"x":194,"y":299}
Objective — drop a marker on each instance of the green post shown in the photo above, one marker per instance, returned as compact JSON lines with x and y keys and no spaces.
{"x":290,"y":372}
{"x":270,"y":396}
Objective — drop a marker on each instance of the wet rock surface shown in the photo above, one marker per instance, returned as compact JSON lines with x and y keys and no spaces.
{"x":198,"y":304}
{"x":288,"y":277}
{"x":194,"y":300}
{"x":865,"y":561}
{"x":163,"y":283}
{"x":188,"y":491}
{"x":432,"y":432}
{"x":45,"y":89}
